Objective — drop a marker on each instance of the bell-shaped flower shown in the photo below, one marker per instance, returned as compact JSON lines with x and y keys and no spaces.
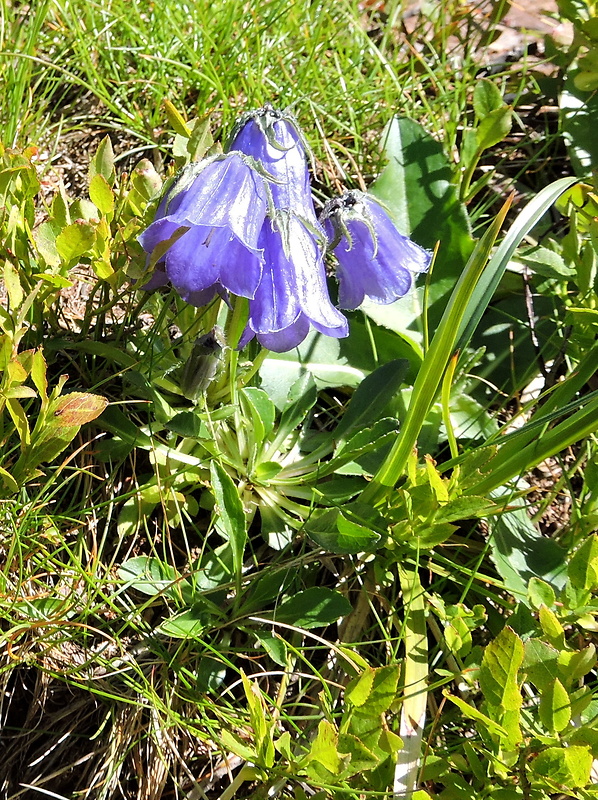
{"x":292,"y":294}
{"x":273,"y":138}
{"x":205,"y":234}
{"x":374,"y":259}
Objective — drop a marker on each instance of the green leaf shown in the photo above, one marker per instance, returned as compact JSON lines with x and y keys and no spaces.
{"x":318,"y":355}
{"x":520,"y":552}
{"x":149,"y":575}
{"x":8,"y":480}
{"x":494,"y":127}
{"x":498,"y":671}
{"x":583,"y":566}
{"x":324,"y":748}
{"x":13,"y":285}
{"x":361,"y":758}
{"x":374,"y":691}
{"x":545,"y":262}
{"x":337,"y":532}
{"x":552,"y":628}
{"x":579,"y":120}
{"x":260,"y":411}
{"x":230,"y":511}
{"x":486,"y":98}
{"x":102,"y":163}
{"x":75,"y":241}
{"x":540,"y":663}
{"x":489,"y":280}
{"x":44,"y":237}
{"x":176,"y":119}
{"x":471,"y":712}
{"x":555,"y":706}
{"x":189,"y":624}
{"x":371,"y":397}
{"x":274,"y":646}
{"x":574,"y":665}
{"x":313,"y":608}
{"x":300,"y":399}
{"x":540,"y":593}
{"x":565,"y":766}
{"x":101,"y":194}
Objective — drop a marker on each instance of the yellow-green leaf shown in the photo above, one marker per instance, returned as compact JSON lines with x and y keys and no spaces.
{"x":553,"y":630}
{"x":472,"y":713}
{"x":8,"y":480}
{"x":13,"y":285}
{"x":324,"y":747}
{"x":498,"y":671}
{"x":176,"y":119}
{"x":75,"y":240}
{"x":77,"y":408}
{"x":555,"y":707}
{"x":101,"y":194}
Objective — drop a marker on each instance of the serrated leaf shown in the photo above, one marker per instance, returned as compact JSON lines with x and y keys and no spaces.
{"x":374,"y":691}
{"x":13,"y":286}
{"x":324,"y":747}
{"x":565,"y":766}
{"x":75,"y":241}
{"x":498,"y":671}
{"x":78,"y":408}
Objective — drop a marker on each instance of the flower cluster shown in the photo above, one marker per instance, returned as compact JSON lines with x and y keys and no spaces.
{"x":244,"y":223}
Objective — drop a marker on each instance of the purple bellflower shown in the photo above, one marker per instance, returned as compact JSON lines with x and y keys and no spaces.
{"x":273,"y":138}
{"x":212,"y":217}
{"x":292,"y":293}
{"x":374,"y":259}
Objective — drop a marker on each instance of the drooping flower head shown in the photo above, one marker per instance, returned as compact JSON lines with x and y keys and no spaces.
{"x":274,"y":139}
{"x":374,"y":259}
{"x":206,"y":230}
{"x":292,"y":294}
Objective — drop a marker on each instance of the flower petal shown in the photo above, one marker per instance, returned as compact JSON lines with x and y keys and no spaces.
{"x":273,"y":138}
{"x":374,"y":259}
{"x":287,"y":339}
